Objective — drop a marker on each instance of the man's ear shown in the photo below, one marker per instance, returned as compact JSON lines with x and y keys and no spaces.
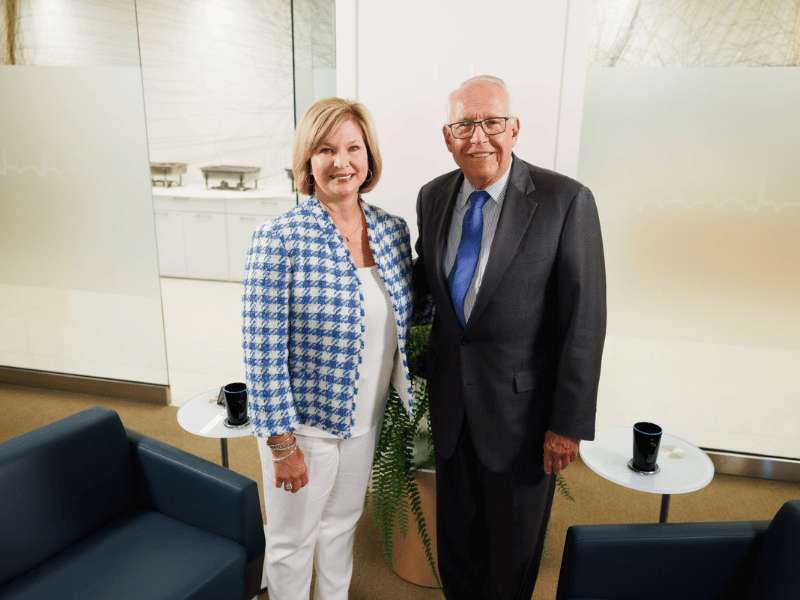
{"x":514,"y":132}
{"x":447,"y":137}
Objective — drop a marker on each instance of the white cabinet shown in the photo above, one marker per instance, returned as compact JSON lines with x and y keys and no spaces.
{"x":206,"y":245}
{"x":206,"y":233}
{"x":192,"y":240}
{"x":244,"y":216}
{"x":240,"y":233}
{"x":171,"y":247}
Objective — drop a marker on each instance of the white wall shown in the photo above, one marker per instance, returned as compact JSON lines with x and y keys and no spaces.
{"x":402,"y":64}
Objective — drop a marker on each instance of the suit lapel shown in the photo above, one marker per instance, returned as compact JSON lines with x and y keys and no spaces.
{"x":443,"y":208}
{"x":516,"y":215}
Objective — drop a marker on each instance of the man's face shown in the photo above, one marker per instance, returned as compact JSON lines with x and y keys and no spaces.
{"x":483,"y":158}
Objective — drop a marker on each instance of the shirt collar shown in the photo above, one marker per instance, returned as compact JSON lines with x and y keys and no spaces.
{"x":497,"y":190}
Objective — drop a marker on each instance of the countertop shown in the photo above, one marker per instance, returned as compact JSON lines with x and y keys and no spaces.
{"x":200,"y":191}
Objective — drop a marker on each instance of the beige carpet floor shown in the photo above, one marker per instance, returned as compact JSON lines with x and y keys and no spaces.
{"x":726,"y":498}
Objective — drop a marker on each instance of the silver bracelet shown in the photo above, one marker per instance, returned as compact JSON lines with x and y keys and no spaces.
{"x":283,"y":445}
{"x":286,"y":455}
{"x":282,"y":448}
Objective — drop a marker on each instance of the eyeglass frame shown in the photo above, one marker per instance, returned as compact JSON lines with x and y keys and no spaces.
{"x":481,"y":122}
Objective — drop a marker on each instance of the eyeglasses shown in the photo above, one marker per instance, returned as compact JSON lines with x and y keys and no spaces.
{"x":465,"y":129}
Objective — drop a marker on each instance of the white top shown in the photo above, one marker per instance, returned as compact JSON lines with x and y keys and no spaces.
{"x":683,"y":467}
{"x":377,"y":358}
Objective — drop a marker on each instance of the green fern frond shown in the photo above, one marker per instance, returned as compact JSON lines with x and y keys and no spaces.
{"x":544,"y":545}
{"x":563,"y":488}
{"x":422,"y":528}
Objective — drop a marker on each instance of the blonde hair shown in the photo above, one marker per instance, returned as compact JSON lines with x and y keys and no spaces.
{"x":320,"y":122}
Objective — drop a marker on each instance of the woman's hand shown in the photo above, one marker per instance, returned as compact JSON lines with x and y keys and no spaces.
{"x":290,"y":471}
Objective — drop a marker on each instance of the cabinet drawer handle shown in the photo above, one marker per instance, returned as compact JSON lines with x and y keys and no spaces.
{"x":247,"y":219}
{"x":180,"y":198}
{"x":268,"y":203}
{"x":199,"y":216}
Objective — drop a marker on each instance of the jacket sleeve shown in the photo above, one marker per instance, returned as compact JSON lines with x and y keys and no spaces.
{"x":423,"y":309}
{"x":581,"y":285}
{"x":266,"y":297}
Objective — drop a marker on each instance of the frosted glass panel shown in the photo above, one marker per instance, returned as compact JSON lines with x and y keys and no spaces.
{"x":697,"y":176}
{"x":77,"y":177}
{"x":79,"y":286}
{"x":314,"y":41}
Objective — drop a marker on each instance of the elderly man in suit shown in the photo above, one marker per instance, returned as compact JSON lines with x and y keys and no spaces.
{"x":512,"y":257}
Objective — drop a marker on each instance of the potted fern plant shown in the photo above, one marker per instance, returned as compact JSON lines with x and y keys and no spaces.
{"x":402,"y":473}
{"x":403,"y":479}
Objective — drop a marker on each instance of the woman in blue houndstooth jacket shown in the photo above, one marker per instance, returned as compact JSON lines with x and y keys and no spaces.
{"x":327,"y":297}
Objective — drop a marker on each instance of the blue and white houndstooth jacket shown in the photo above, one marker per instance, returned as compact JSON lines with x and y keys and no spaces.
{"x":302,"y":318}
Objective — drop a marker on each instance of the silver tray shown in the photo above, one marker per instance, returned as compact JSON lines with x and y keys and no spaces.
{"x":164,"y":170}
{"x":227,"y":172}
{"x":167,"y":168}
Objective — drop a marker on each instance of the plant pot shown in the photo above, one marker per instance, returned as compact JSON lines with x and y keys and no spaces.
{"x":408,"y":556}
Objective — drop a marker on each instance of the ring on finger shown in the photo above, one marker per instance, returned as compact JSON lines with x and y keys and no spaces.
{"x":287,"y":487}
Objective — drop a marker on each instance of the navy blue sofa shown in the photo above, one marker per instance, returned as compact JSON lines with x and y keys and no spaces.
{"x":741,"y":560}
{"x":92,"y":510}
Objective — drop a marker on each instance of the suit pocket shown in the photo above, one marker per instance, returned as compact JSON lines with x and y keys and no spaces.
{"x":525,"y":381}
{"x":529,"y":257}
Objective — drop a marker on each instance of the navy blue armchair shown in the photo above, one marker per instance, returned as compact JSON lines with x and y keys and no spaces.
{"x":743,"y":560}
{"x":91,"y":510}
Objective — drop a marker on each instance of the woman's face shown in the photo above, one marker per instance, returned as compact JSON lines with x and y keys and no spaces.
{"x":340,"y":164}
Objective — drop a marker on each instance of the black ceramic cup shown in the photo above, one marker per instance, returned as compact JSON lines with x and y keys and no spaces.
{"x":236,"y":403}
{"x":646,"y":440}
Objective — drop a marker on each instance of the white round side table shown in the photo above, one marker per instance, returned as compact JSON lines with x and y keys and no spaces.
{"x":202,"y":415}
{"x":683,"y":467}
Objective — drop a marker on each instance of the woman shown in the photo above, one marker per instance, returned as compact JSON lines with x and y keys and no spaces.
{"x":327,"y":295}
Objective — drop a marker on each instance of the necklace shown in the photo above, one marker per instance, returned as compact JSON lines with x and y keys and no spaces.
{"x":352,"y":233}
{"x":358,"y":226}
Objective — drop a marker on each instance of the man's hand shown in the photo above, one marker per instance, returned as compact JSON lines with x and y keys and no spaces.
{"x":559,"y":451}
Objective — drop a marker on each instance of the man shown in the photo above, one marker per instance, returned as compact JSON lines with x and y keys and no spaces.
{"x":517,"y":281}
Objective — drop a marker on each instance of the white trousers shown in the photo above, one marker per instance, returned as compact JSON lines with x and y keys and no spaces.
{"x":318,"y":523}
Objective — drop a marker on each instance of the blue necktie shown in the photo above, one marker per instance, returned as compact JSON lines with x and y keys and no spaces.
{"x":469,"y":248}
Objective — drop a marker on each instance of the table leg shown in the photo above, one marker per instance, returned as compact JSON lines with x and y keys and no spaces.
{"x":224,"y":444}
{"x":664,"y":508}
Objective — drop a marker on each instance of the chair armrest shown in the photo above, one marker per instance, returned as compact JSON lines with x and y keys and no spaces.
{"x":198,"y":492}
{"x":660,"y":561}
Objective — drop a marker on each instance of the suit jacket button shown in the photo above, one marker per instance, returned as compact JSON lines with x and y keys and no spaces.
{"x":464,"y":342}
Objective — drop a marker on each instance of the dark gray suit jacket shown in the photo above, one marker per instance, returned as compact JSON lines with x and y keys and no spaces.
{"x":529,"y":358}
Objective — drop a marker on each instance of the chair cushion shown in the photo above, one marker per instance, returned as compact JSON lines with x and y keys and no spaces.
{"x":59,"y":484}
{"x":198,"y":492}
{"x":777,"y":575}
{"x":143,"y":554}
